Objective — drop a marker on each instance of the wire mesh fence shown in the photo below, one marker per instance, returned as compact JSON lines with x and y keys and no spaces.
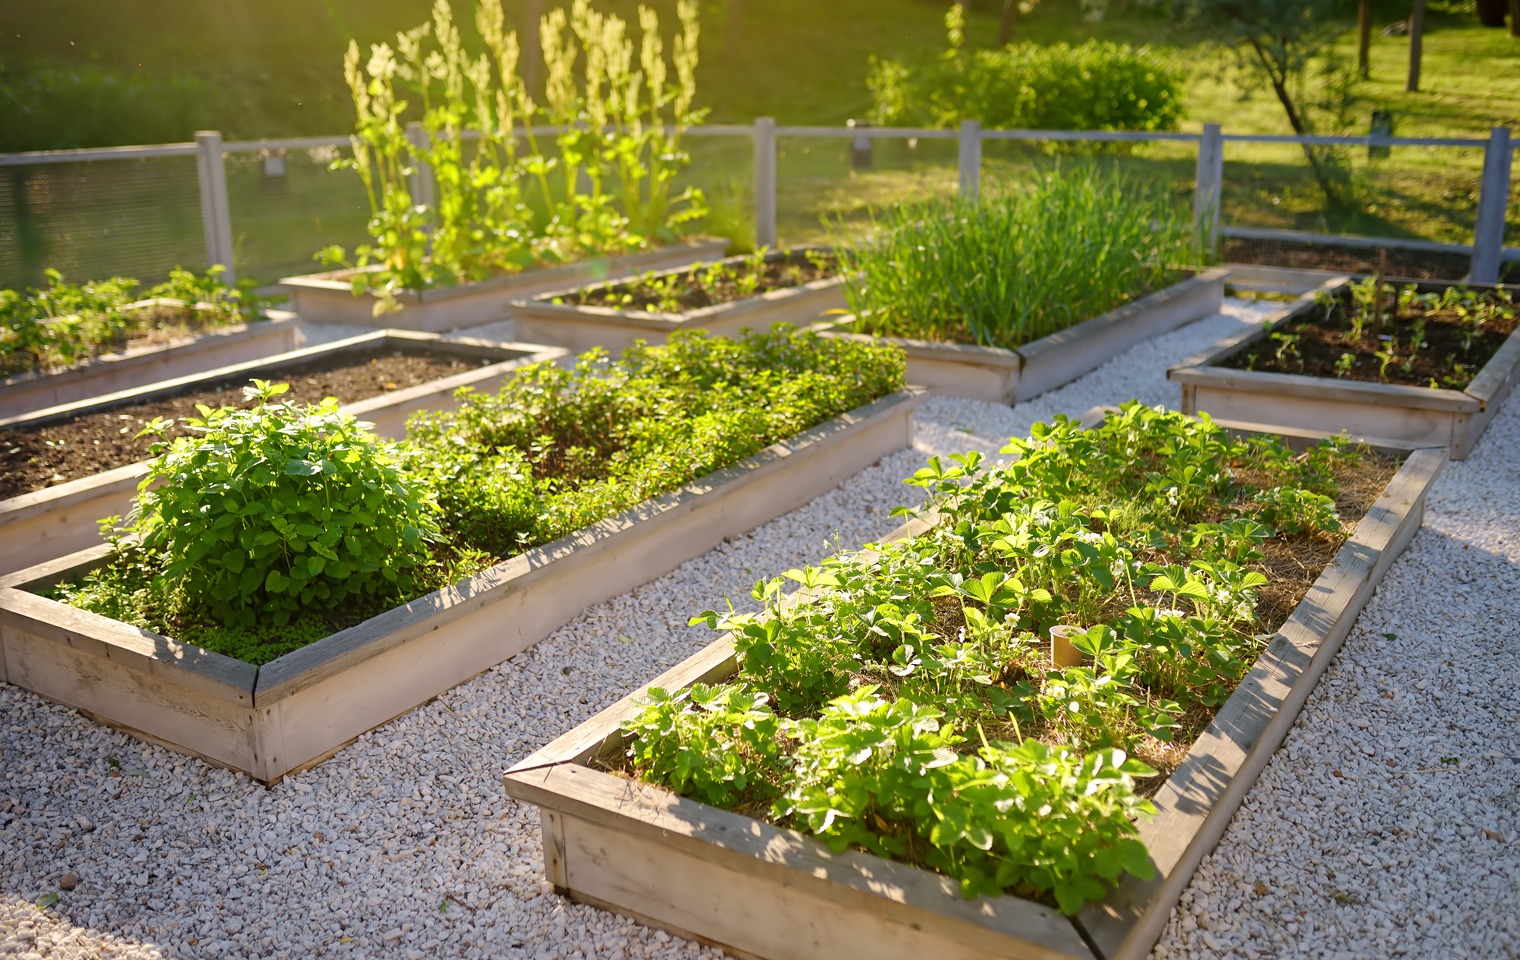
{"x":286,"y":206}
{"x":135,"y":218}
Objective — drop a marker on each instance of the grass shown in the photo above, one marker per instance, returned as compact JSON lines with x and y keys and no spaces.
{"x":803,"y":63}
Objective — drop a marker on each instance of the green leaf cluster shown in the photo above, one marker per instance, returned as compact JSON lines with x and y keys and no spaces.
{"x":64,"y":324}
{"x":1093,"y":85}
{"x":906,"y":703}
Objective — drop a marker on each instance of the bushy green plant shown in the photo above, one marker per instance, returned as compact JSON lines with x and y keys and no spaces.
{"x":1016,"y":265}
{"x":905,"y":702}
{"x":264,"y":512}
{"x":1094,"y":85}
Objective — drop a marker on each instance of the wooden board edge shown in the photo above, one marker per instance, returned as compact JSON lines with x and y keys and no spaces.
{"x":1498,"y":374}
{"x":852,"y":878}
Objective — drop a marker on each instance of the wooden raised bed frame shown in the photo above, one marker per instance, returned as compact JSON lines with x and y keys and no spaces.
{"x":579,"y":328}
{"x":301,"y":708}
{"x":329,"y":297}
{"x":762,"y":891}
{"x":137,"y":366}
{"x":61,"y":519}
{"x":999,"y":375}
{"x":1394,"y":412}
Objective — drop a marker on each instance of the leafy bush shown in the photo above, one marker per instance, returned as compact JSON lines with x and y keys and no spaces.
{"x":66,"y":323}
{"x":1094,"y":85}
{"x":852,"y":712}
{"x":273,"y":509}
{"x":1014,"y":266}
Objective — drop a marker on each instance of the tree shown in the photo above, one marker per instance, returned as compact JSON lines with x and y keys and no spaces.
{"x":1416,"y":44}
{"x":1285,"y":41}
{"x":1364,"y":37}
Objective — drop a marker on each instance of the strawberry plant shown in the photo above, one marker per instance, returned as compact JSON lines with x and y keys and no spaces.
{"x":907,"y":703}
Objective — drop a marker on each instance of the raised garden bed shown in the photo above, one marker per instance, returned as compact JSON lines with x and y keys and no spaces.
{"x":149,"y":362}
{"x":1281,"y":266}
{"x":759,"y":890}
{"x":329,"y":297}
{"x":1331,"y":396}
{"x":796,"y":286}
{"x":61,"y":517}
{"x":298,"y":709}
{"x":1000,"y":375}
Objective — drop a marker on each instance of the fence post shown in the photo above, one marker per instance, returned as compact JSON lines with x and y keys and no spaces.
{"x":424,"y":191}
{"x":765,"y":182}
{"x":969,"y":159}
{"x":1493,"y":207}
{"x":216,"y":215}
{"x":1208,"y":188}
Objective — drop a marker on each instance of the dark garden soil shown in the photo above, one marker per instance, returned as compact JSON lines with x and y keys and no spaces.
{"x":1449,"y":354}
{"x":33,"y":458}
{"x":1411,"y":264}
{"x":709,"y":285}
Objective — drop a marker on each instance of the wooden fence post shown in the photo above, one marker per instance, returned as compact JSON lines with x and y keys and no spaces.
{"x":216,"y":215}
{"x":969,"y":160}
{"x":765,"y":182}
{"x":1493,"y":207}
{"x":1208,"y":188}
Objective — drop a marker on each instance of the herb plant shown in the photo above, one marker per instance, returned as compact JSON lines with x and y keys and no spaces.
{"x":1016,"y":266}
{"x":65,"y":324}
{"x":906,"y":703}
{"x":704,"y":285}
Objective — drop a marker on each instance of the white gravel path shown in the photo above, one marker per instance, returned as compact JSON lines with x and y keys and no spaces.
{"x":403,"y":845}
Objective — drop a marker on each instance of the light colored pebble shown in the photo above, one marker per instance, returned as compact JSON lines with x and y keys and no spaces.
{"x":403,"y":844}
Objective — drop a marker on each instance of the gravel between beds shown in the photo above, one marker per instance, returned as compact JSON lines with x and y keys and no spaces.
{"x":1389,"y":825}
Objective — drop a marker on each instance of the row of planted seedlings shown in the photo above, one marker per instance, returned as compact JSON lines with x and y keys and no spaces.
{"x":507,"y":211}
{"x":999,"y":298}
{"x":959,"y":739}
{"x":286,"y":580}
{"x":1422,"y":362}
{"x":67,"y":341}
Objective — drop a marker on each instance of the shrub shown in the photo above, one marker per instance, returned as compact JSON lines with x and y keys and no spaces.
{"x":1094,"y":85}
{"x":1017,"y":265}
{"x":270,"y":510}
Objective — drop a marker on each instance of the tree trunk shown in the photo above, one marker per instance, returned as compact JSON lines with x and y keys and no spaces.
{"x":1008,"y":22}
{"x":532,"y":50}
{"x":733,"y":29}
{"x":1319,"y":164}
{"x":1491,"y":12}
{"x":1364,"y":36}
{"x":1514,"y":18}
{"x":1416,"y":41}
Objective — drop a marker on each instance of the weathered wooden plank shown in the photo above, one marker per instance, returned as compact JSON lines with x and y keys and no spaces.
{"x":1293,"y":410}
{"x":193,"y":714}
{"x":1198,"y":800}
{"x":1065,"y":355}
{"x":732,"y":860}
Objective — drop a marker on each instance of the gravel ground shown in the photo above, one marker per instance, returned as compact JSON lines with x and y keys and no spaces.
{"x":403,"y":845}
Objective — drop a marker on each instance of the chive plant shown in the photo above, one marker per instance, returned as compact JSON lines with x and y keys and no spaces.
{"x":1017,"y":265}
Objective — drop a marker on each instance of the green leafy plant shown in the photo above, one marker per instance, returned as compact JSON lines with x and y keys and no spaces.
{"x":704,"y":285}
{"x":1016,"y":266}
{"x":267,"y":511}
{"x":64,"y":324}
{"x":903,"y":700}
{"x":607,"y":186}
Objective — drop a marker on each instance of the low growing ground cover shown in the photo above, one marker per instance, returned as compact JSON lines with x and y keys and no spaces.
{"x":906,"y":702}
{"x":270,"y":527}
{"x":706,"y":285}
{"x":1017,"y":265}
{"x":66,"y":324}
{"x":1381,"y":333}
